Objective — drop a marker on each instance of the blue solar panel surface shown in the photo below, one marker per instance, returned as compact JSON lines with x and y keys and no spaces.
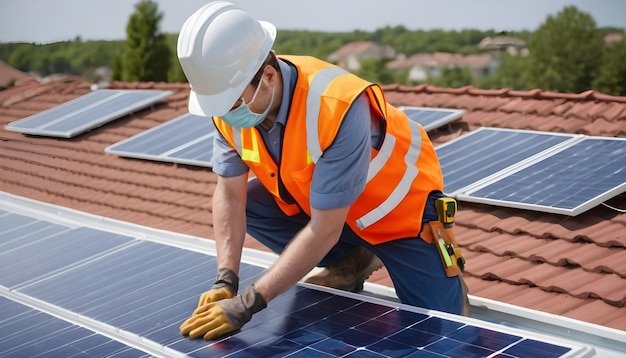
{"x":27,"y":332}
{"x":432,"y":118}
{"x":187,"y":139}
{"x":487,"y":151}
{"x":86,"y":112}
{"x":147,"y":289}
{"x":569,"y":181}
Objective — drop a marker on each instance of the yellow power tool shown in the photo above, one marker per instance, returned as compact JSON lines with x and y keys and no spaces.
{"x":446,"y":209}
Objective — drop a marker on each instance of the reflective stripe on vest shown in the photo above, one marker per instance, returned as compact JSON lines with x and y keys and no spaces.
{"x":321,"y":80}
{"x":251,"y":154}
{"x":319,"y":83}
{"x":403,"y":187}
{"x":237,"y":140}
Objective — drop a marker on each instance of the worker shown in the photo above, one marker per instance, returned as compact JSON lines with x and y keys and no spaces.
{"x":341,"y":179}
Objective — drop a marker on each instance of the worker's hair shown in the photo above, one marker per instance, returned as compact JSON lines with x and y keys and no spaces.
{"x":270,"y":60}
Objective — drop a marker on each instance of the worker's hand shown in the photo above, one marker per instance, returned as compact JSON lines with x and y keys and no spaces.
{"x":225,"y":286}
{"x":222,"y":317}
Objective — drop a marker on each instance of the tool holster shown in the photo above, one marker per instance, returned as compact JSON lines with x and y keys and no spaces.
{"x":449,"y":252}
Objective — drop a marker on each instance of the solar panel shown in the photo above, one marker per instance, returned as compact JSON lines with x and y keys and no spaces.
{"x":86,"y":112}
{"x":432,"y":118}
{"x":568,"y":181}
{"x":187,"y":139}
{"x":138,"y":292}
{"x":27,"y":332}
{"x":481,"y":154}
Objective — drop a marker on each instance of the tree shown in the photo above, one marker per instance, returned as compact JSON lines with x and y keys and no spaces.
{"x":21,"y":57}
{"x":454,"y":77}
{"x":146,"y":55}
{"x":512,"y":74}
{"x":375,"y":71}
{"x":565,"y":52}
{"x":612,"y":77}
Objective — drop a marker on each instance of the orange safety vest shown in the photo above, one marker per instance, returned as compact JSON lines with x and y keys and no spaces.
{"x":401,"y":173}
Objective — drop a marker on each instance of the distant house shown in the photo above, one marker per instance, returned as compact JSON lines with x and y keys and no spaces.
{"x":425,"y":66}
{"x":103,"y":74}
{"x":352,"y":54}
{"x":613,"y":37}
{"x":511,"y":45}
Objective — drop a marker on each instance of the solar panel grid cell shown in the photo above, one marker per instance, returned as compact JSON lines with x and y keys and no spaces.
{"x":147,"y":289}
{"x":163,"y":138}
{"x":569,"y":181}
{"x":86,"y":112}
{"x":26,"y":332}
{"x":17,"y":233}
{"x":432,"y":118}
{"x":187,"y":139}
{"x":61,"y":112}
{"x":487,"y":151}
{"x":30,"y":260}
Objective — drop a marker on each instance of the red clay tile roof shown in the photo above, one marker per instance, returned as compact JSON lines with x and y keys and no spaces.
{"x":10,"y":76}
{"x":570,"y":266}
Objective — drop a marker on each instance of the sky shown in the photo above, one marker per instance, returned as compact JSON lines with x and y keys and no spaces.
{"x":45,"y":21}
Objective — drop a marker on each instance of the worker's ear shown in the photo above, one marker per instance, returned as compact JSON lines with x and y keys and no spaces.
{"x":269,"y":73}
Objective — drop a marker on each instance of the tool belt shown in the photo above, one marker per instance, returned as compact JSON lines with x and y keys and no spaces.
{"x":449,"y":252}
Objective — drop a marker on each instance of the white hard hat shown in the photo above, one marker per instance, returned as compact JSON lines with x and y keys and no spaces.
{"x":220,"y":48}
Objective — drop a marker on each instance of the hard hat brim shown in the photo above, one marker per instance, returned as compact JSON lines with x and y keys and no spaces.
{"x":219,"y":104}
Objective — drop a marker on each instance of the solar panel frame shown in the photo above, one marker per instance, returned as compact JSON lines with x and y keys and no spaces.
{"x":187,"y":139}
{"x":487,"y":153}
{"x":436,"y":117}
{"x":566,"y":162}
{"x":140,"y":293}
{"x":73,"y":117}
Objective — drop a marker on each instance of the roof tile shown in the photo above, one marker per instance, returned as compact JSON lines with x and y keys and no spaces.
{"x":602,"y":127}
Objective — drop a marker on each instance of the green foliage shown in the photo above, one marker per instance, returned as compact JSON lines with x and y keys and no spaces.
{"x":70,"y":57}
{"x":512,"y":74}
{"x":175,"y":72}
{"x":147,"y":55}
{"x":410,"y":42}
{"x":322,"y":44}
{"x":612,"y":77}
{"x":316,"y":44}
{"x":375,"y":71}
{"x":565,"y":52}
{"x":21,"y":58}
{"x":454,"y":77}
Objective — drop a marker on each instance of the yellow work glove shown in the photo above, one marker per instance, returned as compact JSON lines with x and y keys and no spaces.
{"x":222,"y":317}
{"x":225,"y":286}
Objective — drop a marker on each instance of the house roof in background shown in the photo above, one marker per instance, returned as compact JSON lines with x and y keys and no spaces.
{"x":570,"y":266}
{"x":613,"y":37}
{"x":362,"y":50}
{"x":442,"y":59}
{"x":498,"y":42}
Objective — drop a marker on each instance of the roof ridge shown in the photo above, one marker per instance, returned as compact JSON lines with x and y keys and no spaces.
{"x":536,"y":93}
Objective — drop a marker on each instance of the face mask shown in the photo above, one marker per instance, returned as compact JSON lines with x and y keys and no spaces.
{"x":243,"y":117}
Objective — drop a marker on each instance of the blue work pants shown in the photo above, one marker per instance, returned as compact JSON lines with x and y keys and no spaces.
{"x":413,"y":265}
